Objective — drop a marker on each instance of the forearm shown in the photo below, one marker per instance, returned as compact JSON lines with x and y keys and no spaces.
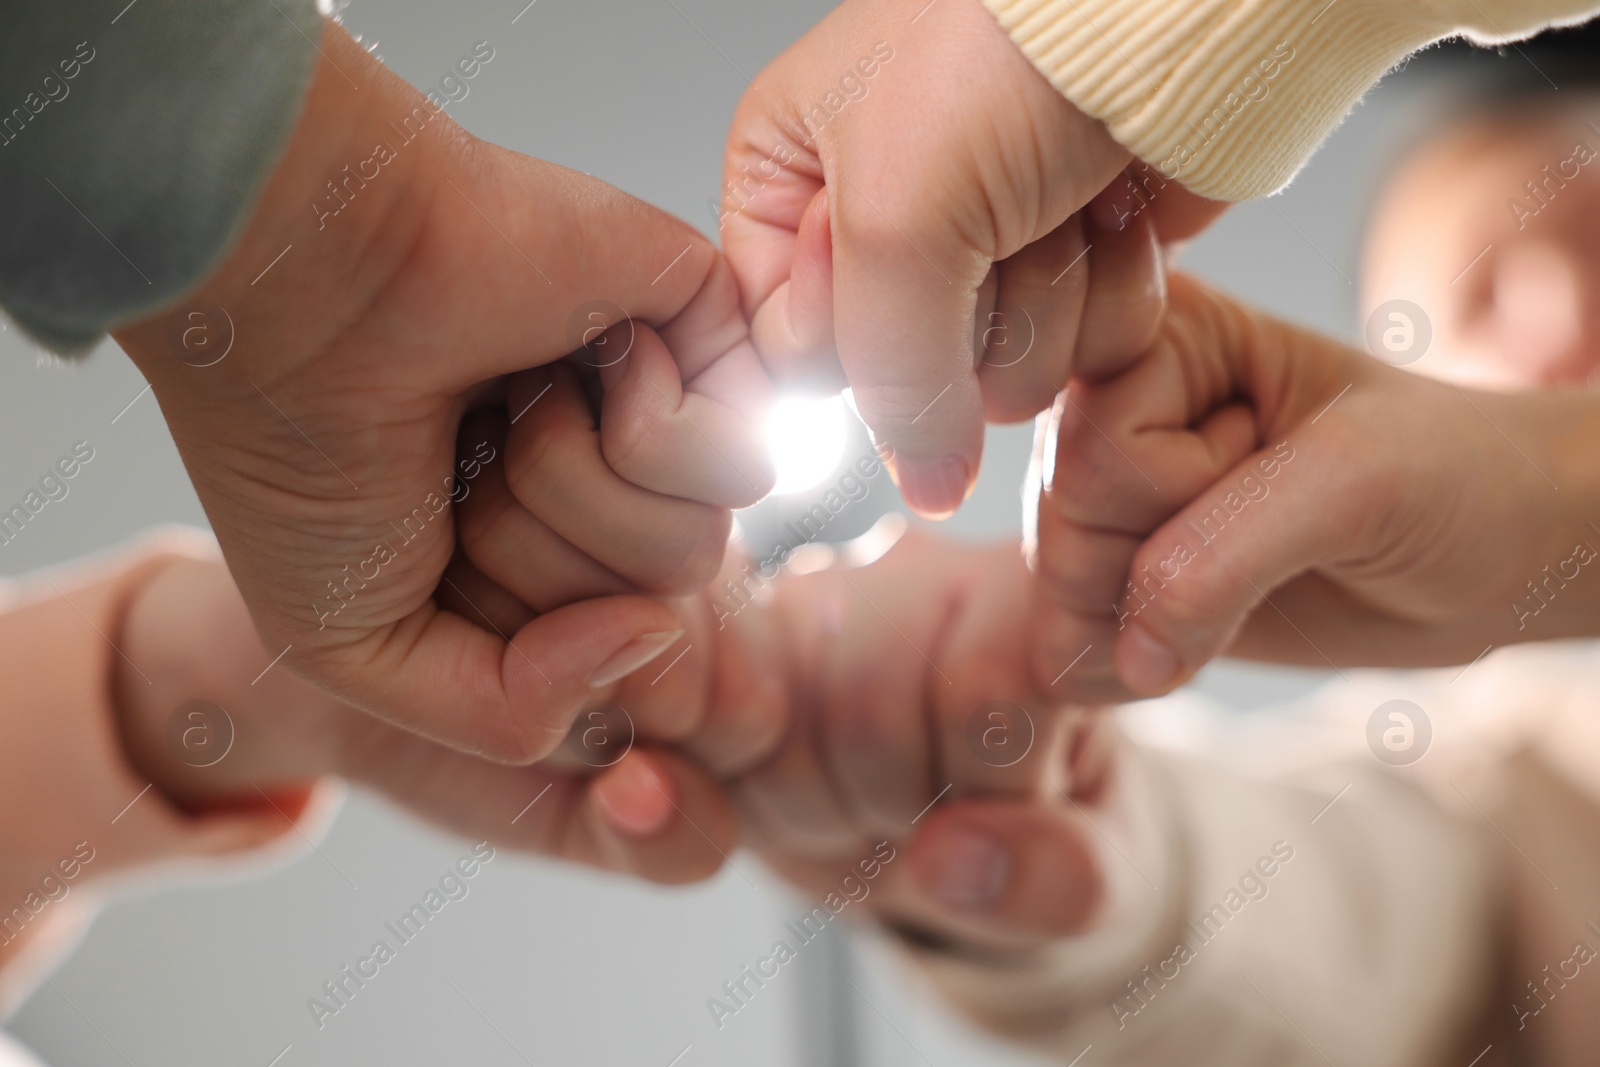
{"x":1229,"y":97}
{"x":63,"y":776}
{"x":97,"y":665}
{"x":341,"y":207}
{"x":1492,"y":536}
{"x":207,"y":714}
{"x":348,"y":201}
{"x":1560,"y":595}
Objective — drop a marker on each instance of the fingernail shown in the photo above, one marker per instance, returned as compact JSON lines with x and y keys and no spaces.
{"x":971,"y":872}
{"x":933,"y":488}
{"x":1147,"y":666}
{"x":634,"y":798}
{"x":632,"y":656}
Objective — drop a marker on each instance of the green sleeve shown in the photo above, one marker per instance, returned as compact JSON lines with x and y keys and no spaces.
{"x":134,"y":139}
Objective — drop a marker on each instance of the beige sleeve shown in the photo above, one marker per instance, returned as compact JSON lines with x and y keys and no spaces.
{"x":1231,"y":97}
{"x":1250,"y":934}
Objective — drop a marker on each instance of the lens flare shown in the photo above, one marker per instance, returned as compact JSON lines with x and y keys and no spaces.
{"x":806,"y":438}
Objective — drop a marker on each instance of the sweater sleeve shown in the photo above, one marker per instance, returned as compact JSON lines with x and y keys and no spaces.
{"x":1261,"y":921}
{"x":79,"y":819}
{"x":134,"y":138}
{"x":1231,"y":97}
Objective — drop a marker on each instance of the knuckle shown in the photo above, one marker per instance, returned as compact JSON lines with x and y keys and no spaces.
{"x":860,"y":719}
{"x":525,"y":739}
{"x":537,"y":458}
{"x":745,"y":724}
{"x":1087,"y":480}
{"x":483,"y":524}
{"x":518,"y":738}
{"x":1073,"y":567}
{"x":891,"y":407}
{"x":1085,"y":589}
{"x":690,"y":554}
{"x":1182,"y":608}
{"x":918,"y":416}
{"x":631,"y":440}
{"x":879,"y":214}
{"x":1011,"y":397}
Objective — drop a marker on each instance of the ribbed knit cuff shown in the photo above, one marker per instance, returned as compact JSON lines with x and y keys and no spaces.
{"x":1230,"y":97}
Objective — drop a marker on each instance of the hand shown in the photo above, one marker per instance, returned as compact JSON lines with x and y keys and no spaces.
{"x":919,"y":758}
{"x":1251,"y":487}
{"x":647,"y":812}
{"x":376,"y":297}
{"x":901,"y":185}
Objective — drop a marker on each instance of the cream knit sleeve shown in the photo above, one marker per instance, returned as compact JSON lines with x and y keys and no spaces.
{"x":1230,"y":97}
{"x":1247,"y":922}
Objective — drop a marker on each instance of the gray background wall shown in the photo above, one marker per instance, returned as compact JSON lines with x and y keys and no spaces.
{"x":541,"y":964}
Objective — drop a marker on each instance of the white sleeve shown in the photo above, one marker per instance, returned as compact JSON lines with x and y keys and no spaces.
{"x":14,"y":1055}
{"x":1276,"y":923}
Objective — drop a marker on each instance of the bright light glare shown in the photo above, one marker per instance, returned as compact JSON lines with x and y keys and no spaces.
{"x":805,"y":438}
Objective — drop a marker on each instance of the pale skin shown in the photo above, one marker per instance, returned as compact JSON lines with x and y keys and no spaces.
{"x":189,"y":629}
{"x":445,"y":298}
{"x":898,"y":239}
{"x":801,"y":704}
{"x":1418,"y":507}
{"x":332,"y":426}
{"x":826,"y":721}
{"x":1003,"y":861}
{"x":297,"y":482}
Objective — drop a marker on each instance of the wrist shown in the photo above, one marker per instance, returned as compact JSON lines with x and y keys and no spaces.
{"x":206,"y":715}
{"x":1056,"y":980}
{"x":1559,"y":436}
{"x":341,"y":208}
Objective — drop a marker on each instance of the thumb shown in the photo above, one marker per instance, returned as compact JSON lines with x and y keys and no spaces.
{"x":905,"y":303}
{"x":509,"y":697}
{"x":1002,"y":873}
{"x":1281,"y":512}
{"x":1272,"y":516}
